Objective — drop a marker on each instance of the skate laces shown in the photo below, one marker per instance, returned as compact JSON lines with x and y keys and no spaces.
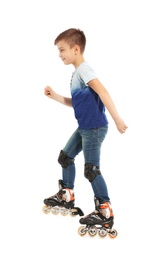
{"x":106,"y":210}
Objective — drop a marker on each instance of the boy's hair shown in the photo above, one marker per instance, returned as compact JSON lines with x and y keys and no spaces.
{"x":71,"y":37}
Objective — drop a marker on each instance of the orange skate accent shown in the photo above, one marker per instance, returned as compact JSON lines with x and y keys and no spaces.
{"x":71,"y":194}
{"x":105,"y":206}
{"x":106,"y":225}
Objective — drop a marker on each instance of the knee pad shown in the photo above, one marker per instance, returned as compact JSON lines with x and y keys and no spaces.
{"x":91,"y":171}
{"x":64,"y":160}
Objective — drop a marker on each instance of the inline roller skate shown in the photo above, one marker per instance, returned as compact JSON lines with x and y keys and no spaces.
{"x":62,"y":202}
{"x":100,"y":221}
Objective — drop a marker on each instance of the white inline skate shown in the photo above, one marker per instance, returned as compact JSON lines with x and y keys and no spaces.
{"x":62,"y":202}
{"x":100,"y":221}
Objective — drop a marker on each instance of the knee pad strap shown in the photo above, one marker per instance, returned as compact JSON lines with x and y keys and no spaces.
{"x":64,"y":160}
{"x":91,"y":171}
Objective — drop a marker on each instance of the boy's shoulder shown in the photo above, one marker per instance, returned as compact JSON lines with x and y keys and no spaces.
{"x":84,"y":67}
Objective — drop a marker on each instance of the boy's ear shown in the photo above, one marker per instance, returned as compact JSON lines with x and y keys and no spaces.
{"x":76,"y":49}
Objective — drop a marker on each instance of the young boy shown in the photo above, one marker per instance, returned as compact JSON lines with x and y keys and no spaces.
{"x":88,"y":99}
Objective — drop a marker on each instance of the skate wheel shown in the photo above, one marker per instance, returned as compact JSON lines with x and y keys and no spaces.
{"x":55,"y":210}
{"x":102,"y":233}
{"x":82,"y":231}
{"x":73,"y":212}
{"x":46,"y":209}
{"x":73,"y":215}
{"x":113,"y":233}
{"x":92,"y":231}
{"x":64,"y":212}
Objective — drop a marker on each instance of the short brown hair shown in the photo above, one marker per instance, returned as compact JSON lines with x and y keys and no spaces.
{"x":73,"y":36}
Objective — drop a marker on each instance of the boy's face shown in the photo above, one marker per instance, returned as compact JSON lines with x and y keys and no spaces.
{"x":68,"y":55}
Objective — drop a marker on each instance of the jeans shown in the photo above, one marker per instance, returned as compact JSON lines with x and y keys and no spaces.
{"x":88,"y":141}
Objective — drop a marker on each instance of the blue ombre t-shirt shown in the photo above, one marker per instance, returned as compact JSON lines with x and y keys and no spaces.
{"x":88,"y":107}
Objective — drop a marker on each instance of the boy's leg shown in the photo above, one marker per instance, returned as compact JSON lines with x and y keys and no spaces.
{"x":66,"y":159}
{"x":91,"y":145}
{"x":101,"y":219}
{"x":65,"y":197}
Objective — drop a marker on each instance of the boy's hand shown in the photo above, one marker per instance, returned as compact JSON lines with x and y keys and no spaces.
{"x":121,"y":126}
{"x":49,"y":92}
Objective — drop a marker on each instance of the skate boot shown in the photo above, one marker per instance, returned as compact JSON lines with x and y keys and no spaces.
{"x":100,"y":221}
{"x":62,"y":202}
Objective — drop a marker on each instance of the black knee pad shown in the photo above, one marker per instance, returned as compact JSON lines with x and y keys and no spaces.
{"x":91,"y":171}
{"x":64,"y":160}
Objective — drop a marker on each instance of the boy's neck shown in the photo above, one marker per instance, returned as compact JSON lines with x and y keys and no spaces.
{"x":78,"y":62}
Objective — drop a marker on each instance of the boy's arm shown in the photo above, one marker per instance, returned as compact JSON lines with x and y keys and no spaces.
{"x":97,"y":86}
{"x":49,"y":92}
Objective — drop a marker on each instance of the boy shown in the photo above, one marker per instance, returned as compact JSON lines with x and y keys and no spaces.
{"x":88,"y":99}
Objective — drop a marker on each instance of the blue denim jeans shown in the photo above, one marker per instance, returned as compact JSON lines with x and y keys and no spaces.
{"x":88,"y":141}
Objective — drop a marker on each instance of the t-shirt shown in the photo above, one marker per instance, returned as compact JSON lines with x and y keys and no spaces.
{"x":88,"y":107}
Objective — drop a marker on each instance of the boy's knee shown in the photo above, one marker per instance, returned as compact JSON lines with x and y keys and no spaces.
{"x":91,"y":171}
{"x":64,"y":160}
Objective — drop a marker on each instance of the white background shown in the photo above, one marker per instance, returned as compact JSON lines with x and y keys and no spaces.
{"x":34,"y":129}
